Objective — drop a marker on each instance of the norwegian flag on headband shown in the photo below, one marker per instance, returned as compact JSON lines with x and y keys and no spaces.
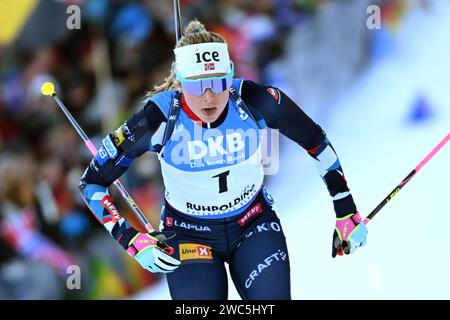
{"x":209,"y":66}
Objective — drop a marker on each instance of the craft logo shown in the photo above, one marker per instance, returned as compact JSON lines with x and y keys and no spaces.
{"x":193,"y":251}
{"x":278,"y":256}
{"x":130,"y":136}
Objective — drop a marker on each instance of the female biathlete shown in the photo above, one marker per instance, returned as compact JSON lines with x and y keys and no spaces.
{"x":205,"y":126}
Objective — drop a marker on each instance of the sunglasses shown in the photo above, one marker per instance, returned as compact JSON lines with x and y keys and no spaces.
{"x":197,"y":87}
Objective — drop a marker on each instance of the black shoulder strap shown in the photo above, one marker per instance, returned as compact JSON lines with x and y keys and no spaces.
{"x":242,"y":108}
{"x":174,"y":112}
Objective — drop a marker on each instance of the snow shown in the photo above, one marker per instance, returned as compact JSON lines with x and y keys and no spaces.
{"x":406,"y":255}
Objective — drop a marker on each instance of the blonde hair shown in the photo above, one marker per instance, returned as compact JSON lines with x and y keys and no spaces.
{"x":194,"y":33}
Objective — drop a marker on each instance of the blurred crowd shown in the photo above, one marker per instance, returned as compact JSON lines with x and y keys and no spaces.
{"x":102,"y":72}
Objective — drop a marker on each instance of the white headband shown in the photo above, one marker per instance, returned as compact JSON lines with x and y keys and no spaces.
{"x":202,"y":59}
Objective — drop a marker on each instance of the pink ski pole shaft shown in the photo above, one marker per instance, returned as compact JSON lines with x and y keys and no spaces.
{"x":407,"y":178}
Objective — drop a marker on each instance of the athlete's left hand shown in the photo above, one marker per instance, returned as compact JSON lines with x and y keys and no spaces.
{"x":144,"y":249}
{"x":349,"y":234}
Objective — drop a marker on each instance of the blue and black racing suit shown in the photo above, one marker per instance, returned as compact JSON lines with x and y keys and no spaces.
{"x":215,"y":199}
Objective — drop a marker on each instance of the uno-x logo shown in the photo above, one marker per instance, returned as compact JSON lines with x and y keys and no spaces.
{"x":203,"y":251}
{"x":194,"y":251}
{"x":198,"y":149}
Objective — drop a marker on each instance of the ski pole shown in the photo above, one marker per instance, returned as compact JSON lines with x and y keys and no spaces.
{"x":48,"y":89}
{"x":407,"y":178}
{"x":177,"y":16}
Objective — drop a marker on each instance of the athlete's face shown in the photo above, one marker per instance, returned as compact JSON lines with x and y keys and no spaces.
{"x":208,"y":106}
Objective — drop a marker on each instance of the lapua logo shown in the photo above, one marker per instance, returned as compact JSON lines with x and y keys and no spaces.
{"x":191,"y":226}
{"x":207,"y":56}
{"x":198,"y":149}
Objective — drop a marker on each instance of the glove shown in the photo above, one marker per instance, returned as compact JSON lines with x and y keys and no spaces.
{"x":143,"y":248}
{"x":349,"y":234}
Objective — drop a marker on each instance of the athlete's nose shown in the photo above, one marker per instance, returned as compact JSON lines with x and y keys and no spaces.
{"x":209,"y":94}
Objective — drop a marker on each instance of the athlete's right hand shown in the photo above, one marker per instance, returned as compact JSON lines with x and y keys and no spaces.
{"x":143,"y":248}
